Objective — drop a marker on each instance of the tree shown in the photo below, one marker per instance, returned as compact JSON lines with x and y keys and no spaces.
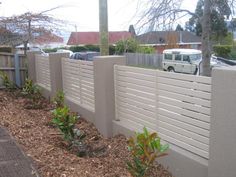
{"x":162,"y":13}
{"x":179,"y":28}
{"x":26,"y":27}
{"x":218,"y":25}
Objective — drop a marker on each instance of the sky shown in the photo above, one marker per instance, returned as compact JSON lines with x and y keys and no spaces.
{"x":83,"y":14}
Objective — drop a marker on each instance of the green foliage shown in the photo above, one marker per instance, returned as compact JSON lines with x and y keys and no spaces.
{"x":31,"y":90}
{"x":7,"y":83}
{"x":222,"y":50}
{"x":6,"y":49}
{"x":65,"y":122}
{"x":218,"y":25}
{"x":94,"y":48}
{"x":146,"y":50}
{"x":78,"y":48}
{"x":128,"y":45}
{"x":59,"y":99}
{"x":232,"y":54}
{"x":145,"y":147}
{"x":112,"y":50}
{"x":49,"y":50}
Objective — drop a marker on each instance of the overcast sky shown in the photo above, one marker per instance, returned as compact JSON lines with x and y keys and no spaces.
{"x":83,"y":13}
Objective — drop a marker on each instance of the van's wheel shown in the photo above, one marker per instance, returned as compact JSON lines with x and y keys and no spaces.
{"x":171,"y":69}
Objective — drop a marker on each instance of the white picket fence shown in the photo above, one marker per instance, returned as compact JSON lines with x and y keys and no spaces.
{"x":177,"y":106}
{"x":42,"y":71}
{"x":78,"y":82}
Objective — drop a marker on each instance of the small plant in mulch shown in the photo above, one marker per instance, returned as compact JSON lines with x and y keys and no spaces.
{"x":145,"y":148}
{"x":32,"y":92}
{"x":65,"y":122}
{"x":7,"y":83}
{"x":59,"y":99}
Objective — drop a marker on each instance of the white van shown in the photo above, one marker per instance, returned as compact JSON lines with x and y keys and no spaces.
{"x":181,"y":60}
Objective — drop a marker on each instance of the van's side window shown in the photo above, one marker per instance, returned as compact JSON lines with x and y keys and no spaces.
{"x":178,"y":57}
{"x":186,"y":58}
{"x":168,"y":56}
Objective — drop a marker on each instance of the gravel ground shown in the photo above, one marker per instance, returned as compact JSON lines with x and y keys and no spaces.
{"x":43,"y":143}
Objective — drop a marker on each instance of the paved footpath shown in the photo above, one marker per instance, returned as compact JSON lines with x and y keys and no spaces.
{"x":13,"y":162}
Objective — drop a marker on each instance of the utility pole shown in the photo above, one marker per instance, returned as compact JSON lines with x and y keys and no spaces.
{"x":103,"y":27}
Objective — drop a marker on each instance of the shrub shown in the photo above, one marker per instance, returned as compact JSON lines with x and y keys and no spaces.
{"x":49,"y":50}
{"x":59,"y":99}
{"x":222,"y":50}
{"x":146,"y":50}
{"x":31,"y":90}
{"x":65,"y":122}
{"x":94,"y":48}
{"x":7,"y":83}
{"x":78,"y":48}
{"x":145,"y":147}
{"x":128,"y":45}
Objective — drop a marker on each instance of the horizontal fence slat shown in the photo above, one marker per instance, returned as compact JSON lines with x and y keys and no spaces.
{"x":184,"y":91}
{"x":183,"y":128}
{"x":184,"y":105}
{"x":184,"y":112}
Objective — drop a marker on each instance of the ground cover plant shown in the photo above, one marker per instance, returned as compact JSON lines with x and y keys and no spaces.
{"x":145,"y":148}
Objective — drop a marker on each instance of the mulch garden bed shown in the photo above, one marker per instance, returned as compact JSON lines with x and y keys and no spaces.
{"x":43,"y":143}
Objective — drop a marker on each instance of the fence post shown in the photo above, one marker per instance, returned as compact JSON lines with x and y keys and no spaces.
{"x":223,"y":123}
{"x":56,"y":71}
{"x":17,"y":70}
{"x":31,"y":65}
{"x":104,"y":92}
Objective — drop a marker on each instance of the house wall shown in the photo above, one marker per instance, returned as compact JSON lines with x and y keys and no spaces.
{"x":160,"y":48}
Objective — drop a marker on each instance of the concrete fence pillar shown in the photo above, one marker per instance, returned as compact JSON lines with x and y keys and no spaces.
{"x":222,"y":161}
{"x":31,"y":65}
{"x":104,"y":92}
{"x":56,"y":71}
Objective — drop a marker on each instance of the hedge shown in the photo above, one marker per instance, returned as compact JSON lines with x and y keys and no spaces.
{"x":222,"y":50}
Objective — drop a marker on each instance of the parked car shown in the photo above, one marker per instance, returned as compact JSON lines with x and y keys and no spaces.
{"x":181,"y":60}
{"x":65,"y":51}
{"x":88,"y":56}
{"x":186,"y":61}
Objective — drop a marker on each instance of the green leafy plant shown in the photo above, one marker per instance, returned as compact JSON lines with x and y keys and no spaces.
{"x":59,"y":99}
{"x":65,"y":122}
{"x":6,"y":81}
{"x":222,"y":50}
{"x":31,"y":90}
{"x":145,"y":148}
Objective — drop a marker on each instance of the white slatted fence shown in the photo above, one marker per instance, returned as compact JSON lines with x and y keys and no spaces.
{"x":78,"y":82}
{"x":42,"y":71}
{"x":177,"y":106}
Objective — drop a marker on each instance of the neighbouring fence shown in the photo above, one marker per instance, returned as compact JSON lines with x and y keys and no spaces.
{"x":144,"y":60}
{"x":78,"y":82}
{"x":14,"y":66}
{"x":42,"y":71}
{"x":177,"y":106}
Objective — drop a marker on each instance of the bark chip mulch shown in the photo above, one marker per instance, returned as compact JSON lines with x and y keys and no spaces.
{"x":44,"y":145}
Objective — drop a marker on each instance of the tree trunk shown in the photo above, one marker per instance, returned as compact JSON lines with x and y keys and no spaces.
{"x":103,"y":27}
{"x":206,"y":28}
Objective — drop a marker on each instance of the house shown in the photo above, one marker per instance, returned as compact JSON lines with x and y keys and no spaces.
{"x":162,"y":40}
{"x":48,"y":40}
{"x":92,"y":38}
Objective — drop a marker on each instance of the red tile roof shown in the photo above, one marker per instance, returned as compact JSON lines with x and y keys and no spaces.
{"x":86,"y":38}
{"x":48,"y":38}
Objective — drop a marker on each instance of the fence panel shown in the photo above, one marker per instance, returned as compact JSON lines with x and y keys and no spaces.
{"x":144,"y":60}
{"x":43,"y":71}
{"x":177,"y":106}
{"x":7,"y":66}
{"x":78,"y":82}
